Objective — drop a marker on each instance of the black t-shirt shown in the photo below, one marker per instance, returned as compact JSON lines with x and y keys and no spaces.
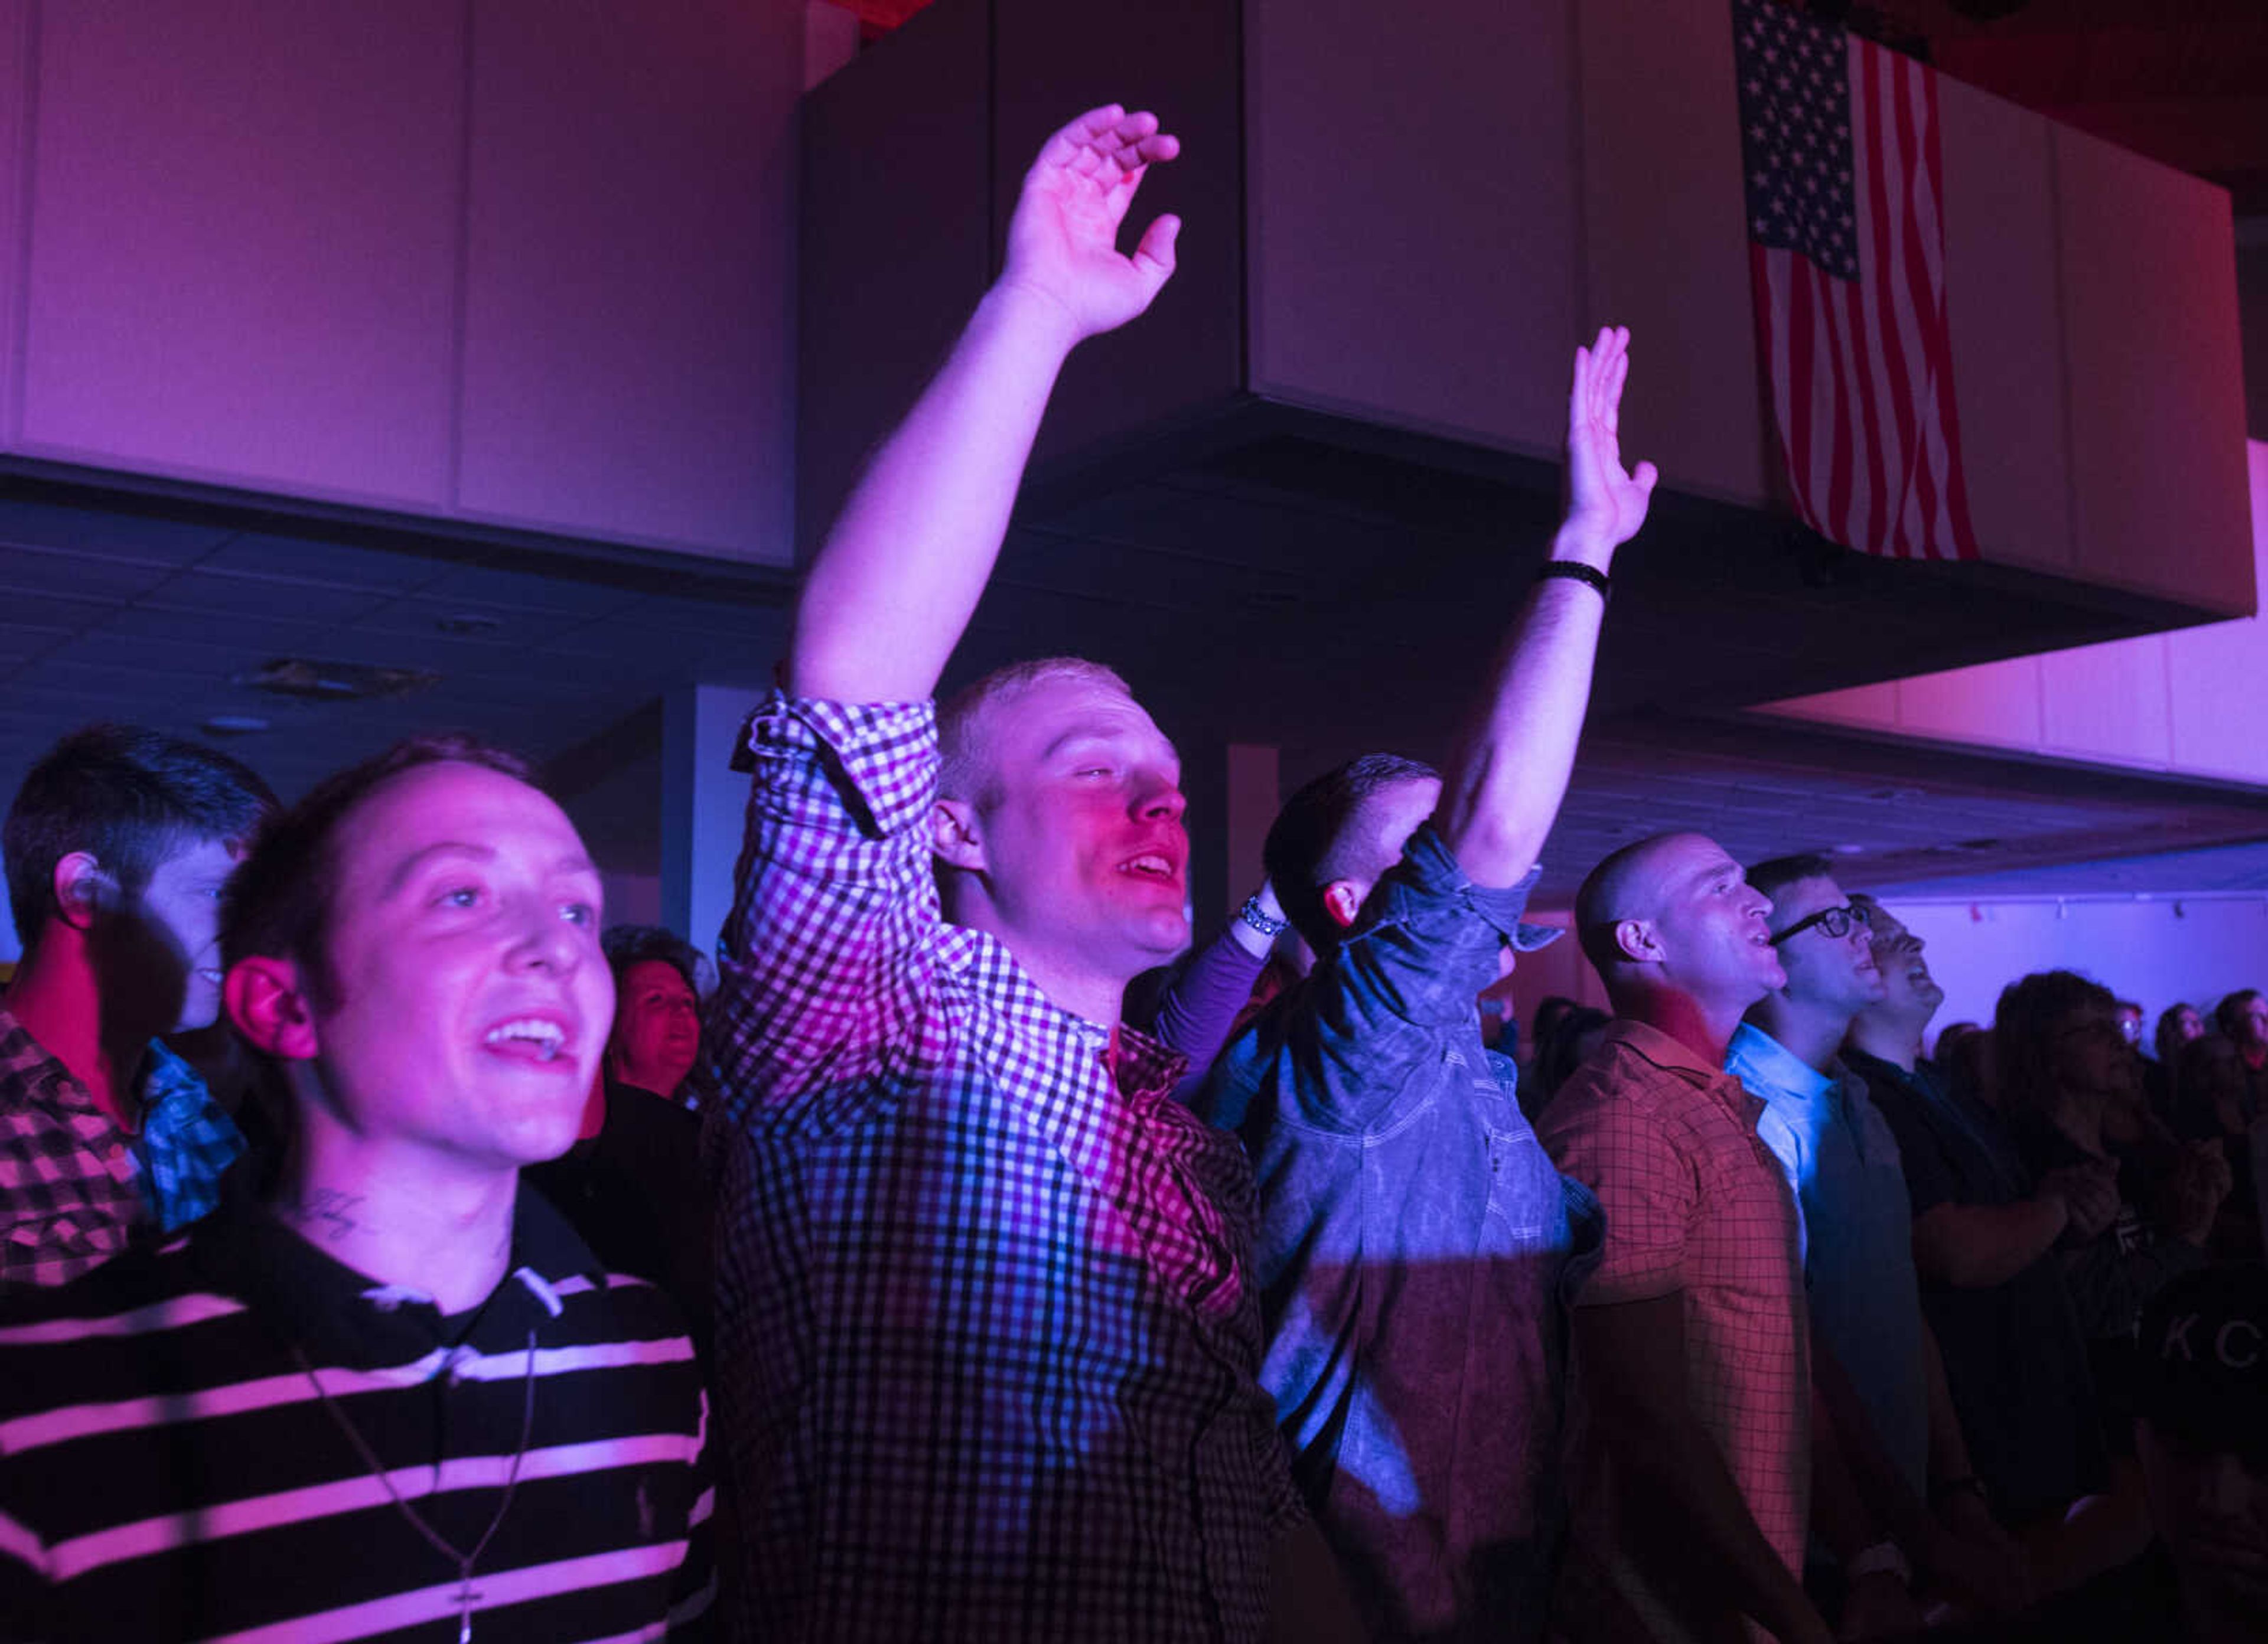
{"x":2014,"y":1360}
{"x":636,"y":1195}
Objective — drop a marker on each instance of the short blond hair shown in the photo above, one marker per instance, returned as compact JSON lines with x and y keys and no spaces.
{"x":966,"y":772}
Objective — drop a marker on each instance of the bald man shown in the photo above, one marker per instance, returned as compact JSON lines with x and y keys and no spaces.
{"x":1691,"y":1375}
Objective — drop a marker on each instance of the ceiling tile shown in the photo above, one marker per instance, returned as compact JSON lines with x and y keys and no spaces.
{"x":221,"y":595}
{"x":484,"y":586}
{"x":116,"y":536}
{"x":490,"y":629}
{"x":81,"y":576}
{"x":300,"y":560}
{"x":248,"y":636}
{"x":27,"y":608}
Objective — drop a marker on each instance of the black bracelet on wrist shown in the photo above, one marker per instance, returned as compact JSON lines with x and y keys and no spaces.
{"x":1251,"y":915}
{"x":1598,"y":581}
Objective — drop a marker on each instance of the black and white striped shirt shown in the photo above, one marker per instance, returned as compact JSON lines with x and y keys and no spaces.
{"x":168,"y":1470}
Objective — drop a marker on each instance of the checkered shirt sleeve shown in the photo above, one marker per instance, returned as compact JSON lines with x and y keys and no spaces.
{"x":828,"y":952}
{"x":69,"y":1198}
{"x":988,"y":1344}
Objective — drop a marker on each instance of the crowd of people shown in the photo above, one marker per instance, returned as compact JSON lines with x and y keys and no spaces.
{"x":1052,"y":1278}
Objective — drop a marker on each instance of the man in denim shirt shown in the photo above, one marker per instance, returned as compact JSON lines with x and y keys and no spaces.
{"x":1416,"y":1248}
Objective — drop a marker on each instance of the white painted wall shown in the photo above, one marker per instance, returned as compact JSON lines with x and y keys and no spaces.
{"x":704,"y":807}
{"x":2153,"y":952}
{"x":2160,"y":702}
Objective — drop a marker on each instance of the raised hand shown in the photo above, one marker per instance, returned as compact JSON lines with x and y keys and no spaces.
{"x":1062,"y":241}
{"x":1606,"y":503}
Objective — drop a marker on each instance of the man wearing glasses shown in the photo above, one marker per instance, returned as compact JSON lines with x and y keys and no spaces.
{"x":1873,"y":1361}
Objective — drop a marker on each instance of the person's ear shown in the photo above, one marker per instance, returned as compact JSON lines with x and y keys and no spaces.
{"x":955,"y":836}
{"x":81,"y":888}
{"x":269,"y":1007}
{"x":1637,"y":941}
{"x":1342,"y":902}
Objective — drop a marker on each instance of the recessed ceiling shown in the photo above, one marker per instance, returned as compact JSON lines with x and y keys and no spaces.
{"x":165,"y":617}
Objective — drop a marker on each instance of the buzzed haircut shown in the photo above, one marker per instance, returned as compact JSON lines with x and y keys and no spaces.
{"x":1600,"y":904}
{"x":278,"y":902}
{"x":129,"y":797}
{"x":965,"y":770}
{"x":1774,"y":875}
{"x":1327,"y":832}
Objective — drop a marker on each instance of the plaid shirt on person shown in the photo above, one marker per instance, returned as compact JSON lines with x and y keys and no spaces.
{"x":1697,"y":1206}
{"x":987,"y":1340}
{"x":75,"y":1187}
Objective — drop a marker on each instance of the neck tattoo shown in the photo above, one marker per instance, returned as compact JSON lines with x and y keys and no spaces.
{"x":466,"y":1596}
{"x":325,"y":1213}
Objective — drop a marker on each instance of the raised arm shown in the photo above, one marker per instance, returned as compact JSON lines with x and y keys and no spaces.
{"x":900,"y":571}
{"x":1504,"y":789}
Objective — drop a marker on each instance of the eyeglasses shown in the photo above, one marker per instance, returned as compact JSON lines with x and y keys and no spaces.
{"x":1837,"y":922}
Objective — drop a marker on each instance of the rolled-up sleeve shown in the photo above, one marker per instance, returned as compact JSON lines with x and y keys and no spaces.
{"x":827,"y":957}
{"x":1428,"y":942}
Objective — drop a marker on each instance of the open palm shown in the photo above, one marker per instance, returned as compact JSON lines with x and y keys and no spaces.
{"x":1062,"y":241}
{"x":1606,"y":503}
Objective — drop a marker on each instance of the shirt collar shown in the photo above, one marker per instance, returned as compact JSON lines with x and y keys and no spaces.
{"x":39,"y":1070}
{"x":1771,"y":1070}
{"x":162,"y":1078}
{"x":1671,"y":1055}
{"x":1143,"y":1067}
{"x":342,"y":1317}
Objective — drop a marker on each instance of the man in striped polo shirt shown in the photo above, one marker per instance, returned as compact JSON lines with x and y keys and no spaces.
{"x":401,"y":1399}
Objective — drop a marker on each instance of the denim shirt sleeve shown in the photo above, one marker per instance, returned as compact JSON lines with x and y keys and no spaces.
{"x":1426,"y":944}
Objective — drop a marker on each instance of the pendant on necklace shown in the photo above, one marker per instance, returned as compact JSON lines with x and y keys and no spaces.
{"x":465,"y":1599}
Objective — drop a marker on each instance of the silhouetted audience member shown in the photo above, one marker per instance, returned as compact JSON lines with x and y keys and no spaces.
{"x":2068,"y":1083}
{"x":2179,"y":1026}
{"x":116,"y":849}
{"x":1985,"y":1233}
{"x":1574,"y":1037}
{"x":988,"y":1337}
{"x":421,"y":1406}
{"x":2212,"y":1104}
{"x":2211,"y":1090}
{"x":1692,"y":1436}
{"x":2241,"y":1018}
{"x":1416,"y":1249}
{"x":2201,"y":1434}
{"x":1548,"y":1012}
{"x":632,"y":1185}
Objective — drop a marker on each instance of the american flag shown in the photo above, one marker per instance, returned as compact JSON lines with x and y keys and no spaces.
{"x":1846,"y":253}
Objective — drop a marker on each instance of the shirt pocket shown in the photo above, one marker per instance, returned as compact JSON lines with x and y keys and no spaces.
{"x":1524,"y":1193}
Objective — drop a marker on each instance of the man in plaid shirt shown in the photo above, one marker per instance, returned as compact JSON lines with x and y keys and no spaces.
{"x":987,"y":1334}
{"x":116,"y":847}
{"x":1692,"y":1376}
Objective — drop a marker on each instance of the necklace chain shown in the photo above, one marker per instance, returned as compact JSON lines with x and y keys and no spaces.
{"x":464,"y":1561}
